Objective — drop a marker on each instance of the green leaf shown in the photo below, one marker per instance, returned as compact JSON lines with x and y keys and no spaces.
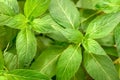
{"x":4,"y":19}
{"x":16,"y":22}
{"x":35,"y":8}
{"x":1,"y":61}
{"x":69,"y":62}
{"x":46,"y":62}
{"x":26,"y":47}
{"x":10,"y":59}
{"x":94,"y":47}
{"x":108,"y":6}
{"x":5,"y":9}
{"x":111,"y":51}
{"x":87,"y":4}
{"x":9,"y":7}
{"x":24,"y":74}
{"x":44,"y":24}
{"x":117,"y":38}
{"x":107,"y":40}
{"x":4,"y":37}
{"x":100,"y":67}
{"x":72,"y":35}
{"x":64,"y":12}
{"x":80,"y":74}
{"x":47,"y":25}
{"x":87,"y":16}
{"x":101,"y":26}
{"x":54,"y":35}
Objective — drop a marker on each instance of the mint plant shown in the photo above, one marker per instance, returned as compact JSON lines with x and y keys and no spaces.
{"x":59,"y":40}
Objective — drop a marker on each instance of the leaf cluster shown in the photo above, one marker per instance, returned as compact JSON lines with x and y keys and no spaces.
{"x":59,"y":39}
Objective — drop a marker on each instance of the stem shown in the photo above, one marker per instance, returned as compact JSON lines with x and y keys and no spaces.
{"x":7,"y":47}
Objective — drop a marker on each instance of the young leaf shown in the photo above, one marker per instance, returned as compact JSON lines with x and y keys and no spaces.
{"x":92,"y":46}
{"x":69,"y":62}
{"x":65,"y":13}
{"x":101,"y":26}
{"x":10,"y":59}
{"x":4,"y":19}
{"x":100,"y":67}
{"x":47,"y":25}
{"x":5,"y":9}
{"x":87,"y":4}
{"x":35,"y":8}
{"x":26,"y":47}
{"x":24,"y":74}
{"x":46,"y":62}
{"x":1,"y":61}
{"x":44,"y":25}
{"x":9,"y":6}
{"x":117,"y":38}
{"x":108,"y":6}
{"x":16,"y":22}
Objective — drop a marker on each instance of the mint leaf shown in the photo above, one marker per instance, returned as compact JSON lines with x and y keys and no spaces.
{"x":100,"y":67}
{"x":64,"y":12}
{"x":69,"y":62}
{"x":35,"y":8}
{"x":94,"y":47}
{"x":26,"y":47}
{"x":101,"y":26}
{"x":47,"y":61}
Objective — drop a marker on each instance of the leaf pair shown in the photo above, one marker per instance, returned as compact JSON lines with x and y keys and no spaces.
{"x":95,"y":58}
{"x":107,"y":6}
{"x":65,"y":14}
{"x":67,"y":64}
{"x":47,"y":25}
{"x":26,"y":42}
{"x":7,"y":11}
{"x":47,"y":61}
